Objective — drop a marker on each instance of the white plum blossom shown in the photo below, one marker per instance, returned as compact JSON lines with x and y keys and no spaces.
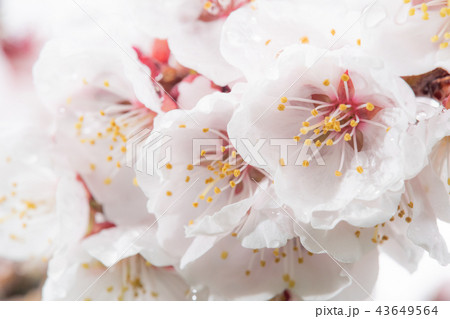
{"x":346,"y":108}
{"x":223,"y":149}
{"x":411,"y":36}
{"x":34,"y":184}
{"x":102,"y":97}
{"x":113,"y":264}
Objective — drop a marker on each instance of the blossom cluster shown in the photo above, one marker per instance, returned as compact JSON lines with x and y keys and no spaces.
{"x":230,"y":149}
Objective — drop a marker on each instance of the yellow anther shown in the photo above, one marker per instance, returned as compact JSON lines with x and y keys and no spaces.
{"x":304,"y":130}
{"x":281,"y":107}
{"x":317,"y":131}
{"x":291,"y":284}
{"x":329,"y":142}
{"x":300,"y":260}
{"x":443,"y":45}
{"x":135,"y":182}
{"x":169,"y":193}
{"x":187,"y":179}
{"x":318,"y":143}
{"x":169,"y":166}
{"x":207,"y":5}
{"x":358,"y":42}
{"x":232,"y":184}
{"x":205,"y":130}
{"x":359,"y":169}
{"x":282,"y":163}
{"x":102,"y":113}
{"x":107,"y":181}
{"x":370,"y":107}
{"x":191,"y":222}
{"x":283,"y":99}
{"x":267,"y":42}
{"x":182,"y":126}
{"x":123,"y":149}
{"x":447,"y":35}
{"x":306,"y":124}
{"x":224,"y":255}
{"x":195,"y":204}
{"x":308,"y":142}
{"x":314,"y":112}
{"x":388,"y":129}
{"x":109,"y":158}
{"x":78,"y":125}
{"x":154,"y":294}
{"x":30,"y":205}
{"x":118,"y":165}
{"x":424,"y":7}
{"x":217,"y":190}
{"x":297,"y":138}
{"x":337,"y":173}
{"x":233,"y":154}
{"x":209,"y":199}
{"x":202,"y":153}
{"x":342,"y":107}
{"x":347,"y":137}
{"x":262,"y":263}
{"x":435,"y":38}
{"x":353,"y":123}
{"x":305,"y":163}
{"x":304,"y":40}
{"x":247,"y":272}
{"x":406,"y":1}
{"x":190,"y":167}
{"x":106,"y":83}
{"x":412,"y":11}
{"x":357,"y":233}
{"x":92,"y":166}
{"x":345,"y":77}
{"x":236,"y":173}
{"x":286,"y":277}
{"x":333,"y":32}
{"x":411,"y":204}
{"x":234,"y":234}
{"x":408,"y":219}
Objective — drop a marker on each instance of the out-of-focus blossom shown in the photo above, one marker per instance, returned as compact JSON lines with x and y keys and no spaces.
{"x":35,"y":182}
{"x":411,"y":36}
{"x":193,"y":30}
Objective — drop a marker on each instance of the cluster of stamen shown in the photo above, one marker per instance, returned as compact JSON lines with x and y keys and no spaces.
{"x":22,"y":210}
{"x":404,"y":213}
{"x":119,"y":121}
{"x":443,"y":6}
{"x":293,"y":253}
{"x":332,"y":120}
{"x":226,"y":174}
{"x":133,"y":271}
